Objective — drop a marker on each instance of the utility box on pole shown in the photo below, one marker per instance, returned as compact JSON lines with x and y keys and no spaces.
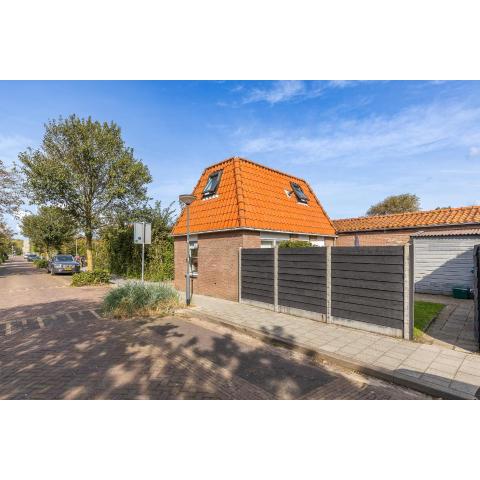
{"x":142,"y":235}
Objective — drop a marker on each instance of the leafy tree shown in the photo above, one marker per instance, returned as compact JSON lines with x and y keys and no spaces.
{"x":9,"y":192}
{"x":84,"y":167}
{"x":18,"y":246}
{"x":405,"y":202}
{"x":118,"y":253}
{"x":6,"y":241}
{"x":49,"y":229}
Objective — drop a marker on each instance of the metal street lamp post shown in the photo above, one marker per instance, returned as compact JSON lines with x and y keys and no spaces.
{"x":187,"y":200}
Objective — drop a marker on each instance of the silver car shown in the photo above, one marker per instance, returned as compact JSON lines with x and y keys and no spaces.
{"x":63,"y":264}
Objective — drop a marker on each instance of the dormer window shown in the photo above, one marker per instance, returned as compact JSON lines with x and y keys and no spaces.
{"x":212,"y":184}
{"x":297,"y":190}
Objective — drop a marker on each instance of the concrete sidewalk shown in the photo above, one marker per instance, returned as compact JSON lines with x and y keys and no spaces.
{"x":432,"y":369}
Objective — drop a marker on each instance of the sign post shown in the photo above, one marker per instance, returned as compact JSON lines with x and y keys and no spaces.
{"x":142,"y":234}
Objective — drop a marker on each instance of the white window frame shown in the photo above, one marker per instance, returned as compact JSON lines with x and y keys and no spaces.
{"x":273,"y":237}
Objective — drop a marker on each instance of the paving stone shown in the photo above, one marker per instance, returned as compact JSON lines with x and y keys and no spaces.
{"x":468,"y":378}
{"x":388,"y":362}
{"x":470,"y":369}
{"x":415,"y":365}
{"x":443,"y":373}
{"x":350,"y":351}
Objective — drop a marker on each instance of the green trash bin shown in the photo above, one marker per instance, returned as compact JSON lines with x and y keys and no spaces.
{"x":460,"y":291}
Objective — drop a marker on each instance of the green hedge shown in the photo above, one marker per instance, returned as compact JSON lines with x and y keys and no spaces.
{"x":294,"y":244}
{"x":97,"y":277}
{"x":41,"y":263}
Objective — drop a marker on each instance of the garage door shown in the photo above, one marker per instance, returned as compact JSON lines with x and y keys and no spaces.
{"x":443,"y":262}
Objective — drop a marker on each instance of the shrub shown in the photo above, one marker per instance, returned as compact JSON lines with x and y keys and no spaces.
{"x":41,"y":263}
{"x":294,"y":244}
{"x":137,"y":299}
{"x":97,"y":277}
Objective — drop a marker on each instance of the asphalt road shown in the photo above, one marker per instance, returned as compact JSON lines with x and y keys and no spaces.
{"x":55,"y":344}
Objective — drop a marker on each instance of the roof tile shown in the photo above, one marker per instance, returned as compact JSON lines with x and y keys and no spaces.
{"x":253,"y":196}
{"x":427,"y":218}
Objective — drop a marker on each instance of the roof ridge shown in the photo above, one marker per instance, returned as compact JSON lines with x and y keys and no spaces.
{"x":242,"y":159}
{"x":406,"y":213}
{"x":239,"y":187}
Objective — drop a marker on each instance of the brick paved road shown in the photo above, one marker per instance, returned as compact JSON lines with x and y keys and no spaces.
{"x":54,"y":344}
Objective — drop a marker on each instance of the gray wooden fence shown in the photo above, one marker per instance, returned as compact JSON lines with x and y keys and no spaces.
{"x":302,"y":283}
{"x":369,"y":288}
{"x":476,"y":286}
{"x":257,"y":276}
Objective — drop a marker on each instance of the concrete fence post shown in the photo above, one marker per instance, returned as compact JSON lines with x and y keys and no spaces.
{"x":240,"y":274}
{"x":328,"y":276}
{"x":408,"y":291}
{"x":275,"y":279}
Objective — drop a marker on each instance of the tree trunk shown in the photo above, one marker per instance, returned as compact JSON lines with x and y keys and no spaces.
{"x":89,"y":245}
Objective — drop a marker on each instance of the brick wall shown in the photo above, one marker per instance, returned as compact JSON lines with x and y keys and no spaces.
{"x":385,"y":238}
{"x":217,"y":262}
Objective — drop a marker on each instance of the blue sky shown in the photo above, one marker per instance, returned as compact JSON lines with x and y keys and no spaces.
{"x":354,"y":142}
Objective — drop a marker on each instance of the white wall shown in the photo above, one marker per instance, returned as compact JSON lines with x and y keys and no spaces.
{"x":443,"y":262}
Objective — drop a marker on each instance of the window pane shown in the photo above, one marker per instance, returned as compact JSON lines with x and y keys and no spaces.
{"x":297,"y":189}
{"x":194,"y":256}
{"x":212,"y":183}
{"x":267,"y":243}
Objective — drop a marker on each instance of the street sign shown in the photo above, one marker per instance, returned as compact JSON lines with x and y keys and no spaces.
{"x":142,"y":233}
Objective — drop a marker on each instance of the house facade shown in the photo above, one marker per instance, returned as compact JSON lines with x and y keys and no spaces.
{"x":242,"y":204}
{"x":396,"y":229}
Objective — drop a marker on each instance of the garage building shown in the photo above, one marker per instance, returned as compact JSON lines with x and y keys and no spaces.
{"x":444,"y":259}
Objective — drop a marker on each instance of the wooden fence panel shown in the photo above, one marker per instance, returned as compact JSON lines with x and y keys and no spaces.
{"x":302,"y":279}
{"x":257,"y":275}
{"x":368,"y":287}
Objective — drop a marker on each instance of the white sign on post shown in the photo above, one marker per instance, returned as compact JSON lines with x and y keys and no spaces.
{"x":148,"y":234}
{"x":142,"y":235}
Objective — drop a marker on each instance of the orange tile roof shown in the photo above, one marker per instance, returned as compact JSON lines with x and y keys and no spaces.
{"x":252,"y":196}
{"x":427,"y":218}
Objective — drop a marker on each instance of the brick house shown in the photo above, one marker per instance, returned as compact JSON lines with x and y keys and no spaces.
{"x":240,"y":203}
{"x":396,"y":229}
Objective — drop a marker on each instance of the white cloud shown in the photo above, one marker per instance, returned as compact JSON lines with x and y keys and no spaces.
{"x":290,"y":90}
{"x":342,"y":83}
{"x":435,"y":127}
{"x":279,"y":91}
{"x":474,"y":151}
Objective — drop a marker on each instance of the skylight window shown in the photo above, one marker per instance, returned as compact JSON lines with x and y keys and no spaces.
{"x":297,"y":189}
{"x":212,"y":184}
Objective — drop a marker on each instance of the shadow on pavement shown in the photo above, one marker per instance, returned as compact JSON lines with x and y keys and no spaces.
{"x":85,"y":357}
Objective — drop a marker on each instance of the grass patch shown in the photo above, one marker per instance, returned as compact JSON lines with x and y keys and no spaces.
{"x":138,"y":299}
{"x":97,"y":277}
{"x":425,"y":312}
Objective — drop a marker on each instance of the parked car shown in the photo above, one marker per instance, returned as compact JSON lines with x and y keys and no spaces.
{"x":33,"y":256}
{"x":63,"y":264}
{"x":25,"y":255}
